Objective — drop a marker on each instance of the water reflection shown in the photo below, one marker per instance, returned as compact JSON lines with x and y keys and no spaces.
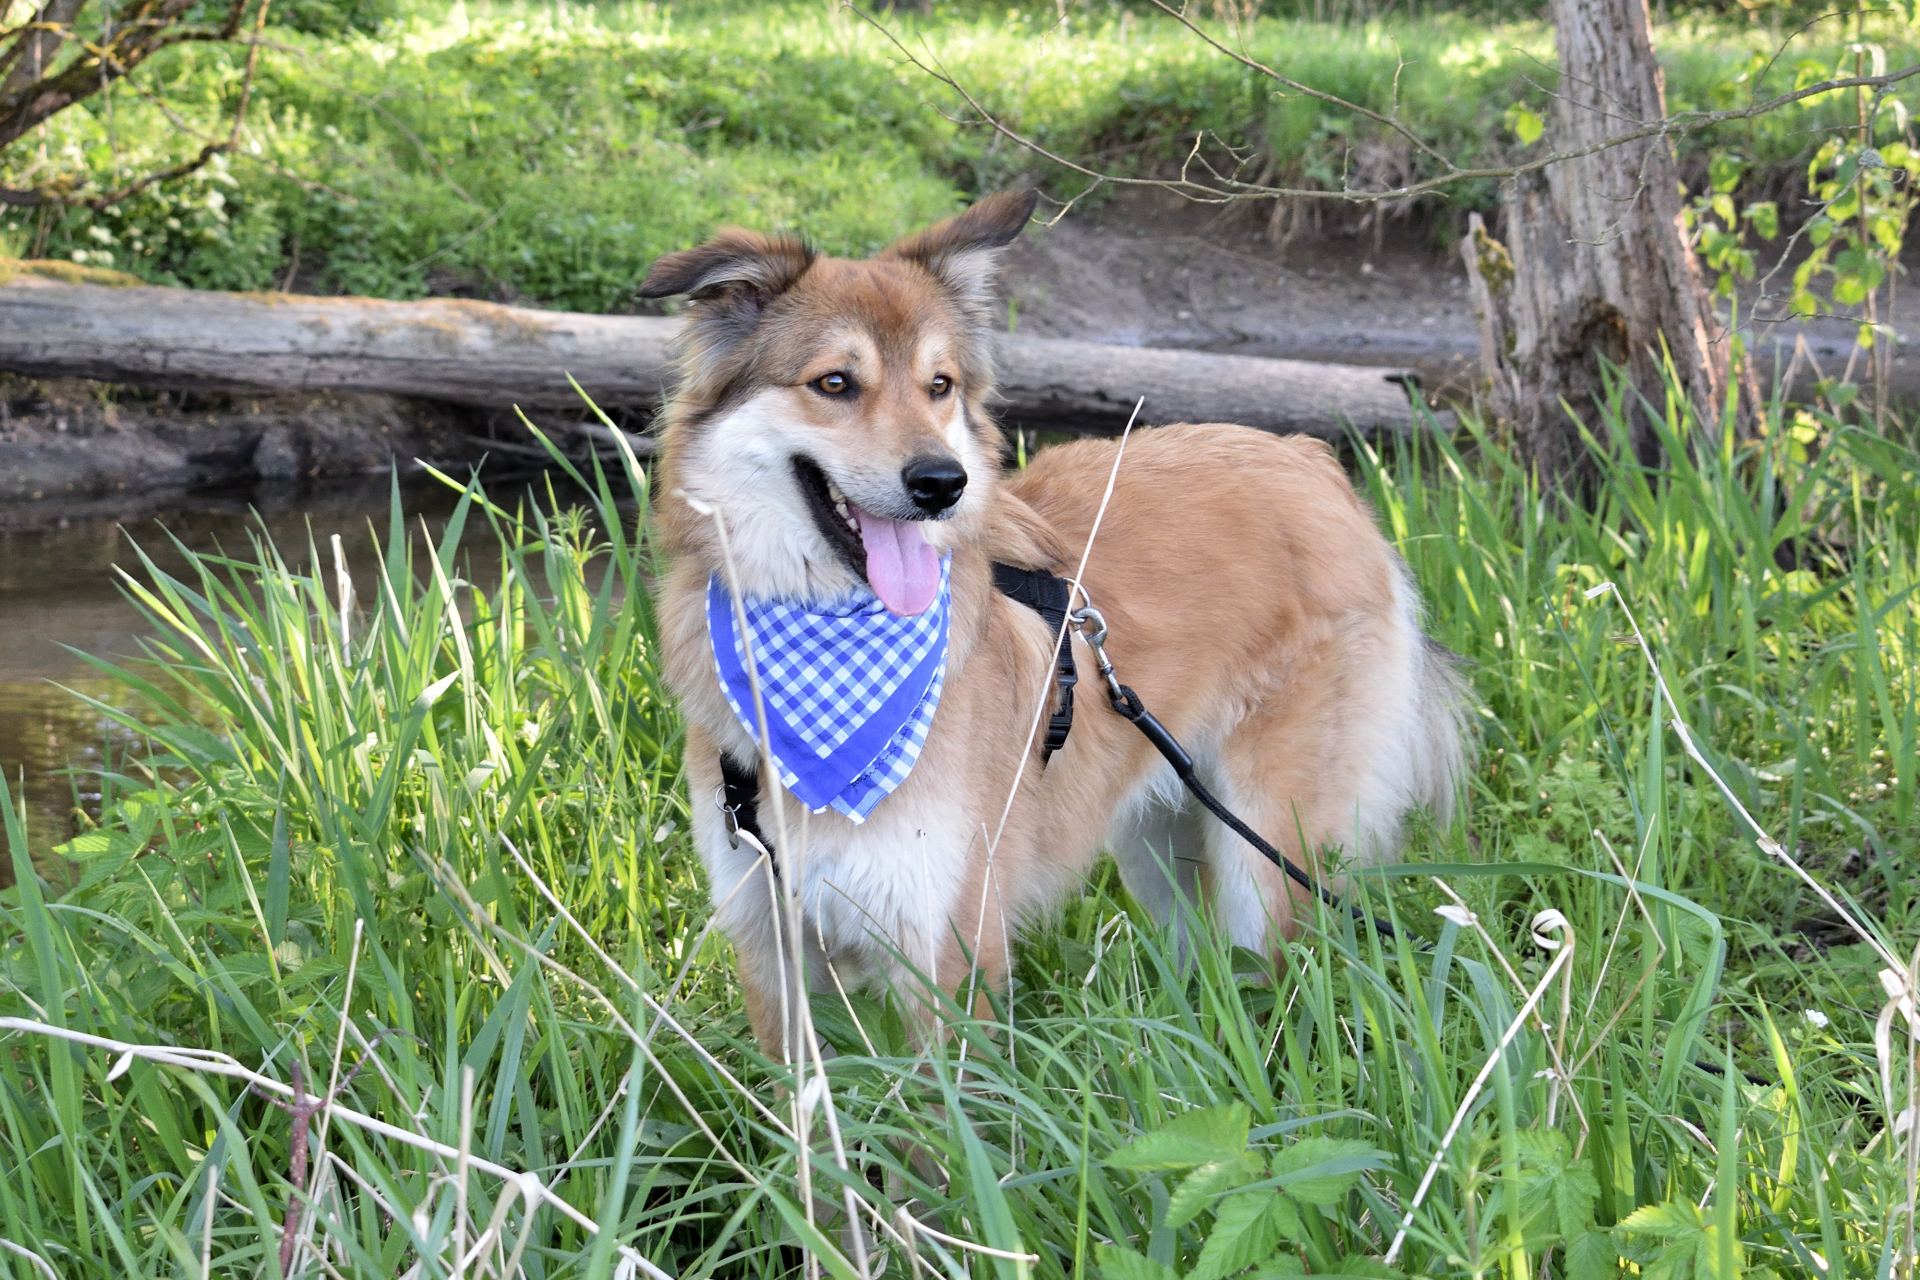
{"x":58,"y":590}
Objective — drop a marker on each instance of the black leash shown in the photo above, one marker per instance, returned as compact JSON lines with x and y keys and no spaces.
{"x":1127,"y":703}
{"x":1052,"y":598}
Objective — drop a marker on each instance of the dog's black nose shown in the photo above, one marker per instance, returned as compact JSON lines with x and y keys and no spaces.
{"x":934,"y":482}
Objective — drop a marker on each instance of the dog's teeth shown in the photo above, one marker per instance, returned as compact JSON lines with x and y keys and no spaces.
{"x":833,"y":491}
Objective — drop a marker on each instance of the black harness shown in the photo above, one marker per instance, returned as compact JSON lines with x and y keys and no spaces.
{"x":1052,"y":598}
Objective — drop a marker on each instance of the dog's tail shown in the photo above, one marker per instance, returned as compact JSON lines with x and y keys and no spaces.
{"x":1444,"y":748}
{"x":1441,"y":750}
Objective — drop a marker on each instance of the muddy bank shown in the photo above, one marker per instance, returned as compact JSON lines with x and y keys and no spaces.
{"x":1151,"y":269}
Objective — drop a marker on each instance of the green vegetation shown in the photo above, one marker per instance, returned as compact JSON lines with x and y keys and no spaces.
{"x":549,"y":153}
{"x":430,"y":757}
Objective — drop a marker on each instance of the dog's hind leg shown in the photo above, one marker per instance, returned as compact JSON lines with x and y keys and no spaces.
{"x":1329,"y":760}
{"x":1158,"y":841}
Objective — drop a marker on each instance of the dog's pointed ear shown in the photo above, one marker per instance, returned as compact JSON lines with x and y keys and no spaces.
{"x":732,"y":277}
{"x":963,"y":252}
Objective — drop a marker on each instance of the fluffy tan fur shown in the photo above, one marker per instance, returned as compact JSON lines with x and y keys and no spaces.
{"x":1253,"y":606}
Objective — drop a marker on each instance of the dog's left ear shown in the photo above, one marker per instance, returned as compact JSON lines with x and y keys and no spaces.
{"x":963,"y":252}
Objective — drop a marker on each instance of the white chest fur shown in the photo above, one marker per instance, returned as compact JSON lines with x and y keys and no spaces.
{"x":875,"y":896}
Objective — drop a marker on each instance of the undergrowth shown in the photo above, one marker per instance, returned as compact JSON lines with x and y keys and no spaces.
{"x":548,"y":153}
{"x":412,"y":834}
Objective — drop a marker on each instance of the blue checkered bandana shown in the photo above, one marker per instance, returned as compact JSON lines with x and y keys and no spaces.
{"x":849,"y":689}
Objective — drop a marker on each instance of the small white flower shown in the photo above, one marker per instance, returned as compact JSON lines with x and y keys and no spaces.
{"x":1455,"y":913}
{"x":1817,"y":1018}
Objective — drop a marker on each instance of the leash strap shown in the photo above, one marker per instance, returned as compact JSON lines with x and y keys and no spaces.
{"x":1128,"y":704}
{"x":1038,"y":590}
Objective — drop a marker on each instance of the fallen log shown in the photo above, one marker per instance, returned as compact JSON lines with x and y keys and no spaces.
{"x":57,"y":321}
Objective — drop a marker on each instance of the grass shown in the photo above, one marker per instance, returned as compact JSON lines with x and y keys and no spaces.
{"x":435,"y":831}
{"x":549,"y":153}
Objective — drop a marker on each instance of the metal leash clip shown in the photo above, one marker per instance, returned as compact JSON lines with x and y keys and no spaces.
{"x":1093,"y":629}
{"x":731,"y":813}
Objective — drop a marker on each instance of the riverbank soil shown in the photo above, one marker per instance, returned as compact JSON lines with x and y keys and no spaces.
{"x":1151,"y":269}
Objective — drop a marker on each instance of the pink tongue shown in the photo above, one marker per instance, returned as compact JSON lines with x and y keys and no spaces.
{"x":902,"y":567}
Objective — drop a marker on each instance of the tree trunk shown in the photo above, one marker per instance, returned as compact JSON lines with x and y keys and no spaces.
{"x":496,"y":357}
{"x":1599,"y":265}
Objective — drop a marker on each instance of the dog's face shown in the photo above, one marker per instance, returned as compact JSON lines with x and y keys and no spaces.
{"x":833,"y":410}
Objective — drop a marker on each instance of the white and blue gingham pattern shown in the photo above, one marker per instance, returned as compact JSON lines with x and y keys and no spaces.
{"x":849,"y":689}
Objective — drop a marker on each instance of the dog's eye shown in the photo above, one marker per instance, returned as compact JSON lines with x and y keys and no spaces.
{"x":833,"y":384}
{"x":941,"y":385}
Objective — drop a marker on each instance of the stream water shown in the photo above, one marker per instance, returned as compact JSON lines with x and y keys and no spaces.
{"x":59,"y":592}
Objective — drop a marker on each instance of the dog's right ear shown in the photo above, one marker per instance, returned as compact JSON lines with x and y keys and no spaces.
{"x":732,"y":277}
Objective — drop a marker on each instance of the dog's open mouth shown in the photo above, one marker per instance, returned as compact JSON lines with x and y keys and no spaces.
{"x":893,"y":557}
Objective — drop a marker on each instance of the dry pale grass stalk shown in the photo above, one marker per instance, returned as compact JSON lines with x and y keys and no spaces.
{"x":797,"y":1029}
{"x":40,"y":1263}
{"x":1899,"y":979}
{"x":1551,"y":932}
{"x":1043,"y":694}
{"x":209,"y":1062}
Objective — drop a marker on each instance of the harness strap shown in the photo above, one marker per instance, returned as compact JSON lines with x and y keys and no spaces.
{"x":1050,"y":597}
{"x":1038,"y":590}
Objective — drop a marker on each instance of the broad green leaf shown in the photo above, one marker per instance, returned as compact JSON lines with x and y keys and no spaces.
{"x":1525,"y":124}
{"x":1245,"y":1232}
{"x":1282,"y":1266}
{"x":1591,"y":1256}
{"x":1670,"y":1221}
{"x":1124,"y":1264}
{"x":1724,"y":170}
{"x":1199,"y":1137}
{"x":1322,"y":1170}
{"x":1571,"y":1185}
{"x":1197,"y":1190}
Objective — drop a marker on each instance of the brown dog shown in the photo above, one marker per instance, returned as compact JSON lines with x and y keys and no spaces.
{"x":833,"y":413}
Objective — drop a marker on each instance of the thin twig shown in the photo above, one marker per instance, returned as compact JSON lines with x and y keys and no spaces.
{"x":1229,"y":190}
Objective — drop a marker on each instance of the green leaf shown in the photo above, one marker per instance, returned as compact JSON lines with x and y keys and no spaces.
{"x":1764,"y":215}
{"x":1282,"y":1267}
{"x":1591,"y":1256}
{"x":1525,"y":125}
{"x":1322,"y":1170}
{"x":1724,"y":170}
{"x":1571,"y":1184}
{"x":1245,"y":1232}
{"x":1204,"y":1136}
{"x":1124,"y":1264}
{"x":1198,"y":1189}
{"x":1674,"y":1220}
